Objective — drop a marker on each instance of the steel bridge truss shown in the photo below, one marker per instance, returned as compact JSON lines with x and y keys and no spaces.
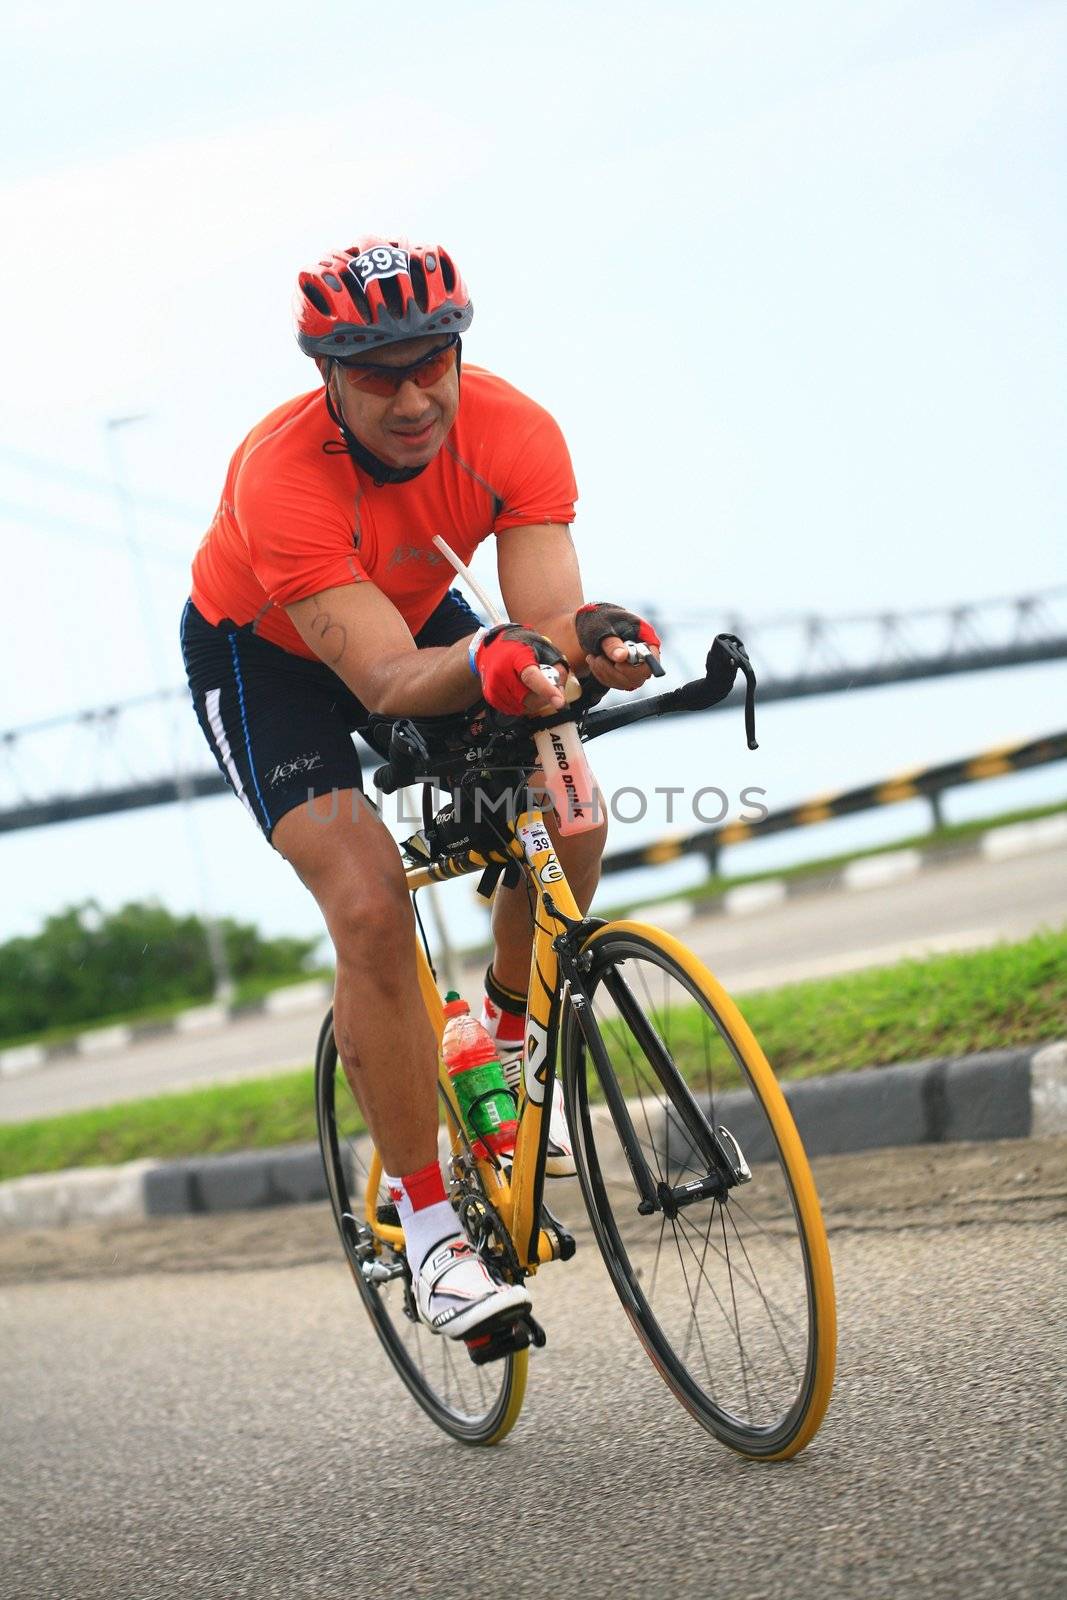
{"x":148,"y":751}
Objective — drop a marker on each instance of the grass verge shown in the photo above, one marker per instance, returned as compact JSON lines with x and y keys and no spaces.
{"x":232,"y":1116}
{"x":947,"y":1005}
{"x":1008,"y":996}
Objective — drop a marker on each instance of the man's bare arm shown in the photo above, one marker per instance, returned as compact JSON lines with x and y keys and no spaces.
{"x":541,"y":585}
{"x":539,"y":579}
{"x":356,"y":630}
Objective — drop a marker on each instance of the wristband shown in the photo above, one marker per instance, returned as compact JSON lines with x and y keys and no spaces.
{"x":472,"y":649}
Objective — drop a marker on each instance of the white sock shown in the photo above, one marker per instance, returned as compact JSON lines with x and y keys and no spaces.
{"x":423,"y":1229}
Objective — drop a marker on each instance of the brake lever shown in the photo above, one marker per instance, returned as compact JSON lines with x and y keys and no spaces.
{"x":731,"y":647}
{"x":409,"y":758}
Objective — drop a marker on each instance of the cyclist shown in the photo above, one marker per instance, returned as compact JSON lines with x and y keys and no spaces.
{"x":318,"y":597}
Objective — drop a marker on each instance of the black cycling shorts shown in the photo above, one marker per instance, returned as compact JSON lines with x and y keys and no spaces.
{"x":280,"y":726}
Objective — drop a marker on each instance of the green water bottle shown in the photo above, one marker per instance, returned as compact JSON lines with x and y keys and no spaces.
{"x":470,"y":1059}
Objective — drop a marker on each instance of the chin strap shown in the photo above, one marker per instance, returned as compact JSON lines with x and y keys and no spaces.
{"x":381,"y":471}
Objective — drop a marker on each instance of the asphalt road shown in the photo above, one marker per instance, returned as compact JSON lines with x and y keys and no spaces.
{"x":960,"y":906}
{"x":199,"y":1408}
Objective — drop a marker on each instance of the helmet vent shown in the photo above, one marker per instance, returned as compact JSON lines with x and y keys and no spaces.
{"x":418,"y":283}
{"x":448,"y":273}
{"x":316,"y":296}
{"x":393,"y":295}
{"x":356,"y":294}
{"x":332,"y":281}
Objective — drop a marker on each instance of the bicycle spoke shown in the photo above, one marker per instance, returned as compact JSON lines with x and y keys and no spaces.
{"x":733,"y":1323}
{"x":689,"y":1292}
{"x":737,"y":1320}
{"x":469,"y":1401}
{"x":722,"y":1295}
{"x":752,"y":1283}
{"x":763,"y":1297}
{"x":655,"y":1265}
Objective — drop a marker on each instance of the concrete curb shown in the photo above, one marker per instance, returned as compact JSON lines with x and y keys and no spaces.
{"x":864,"y":873}
{"x":885,"y":867}
{"x":1002,"y":1094}
{"x":309,"y":996}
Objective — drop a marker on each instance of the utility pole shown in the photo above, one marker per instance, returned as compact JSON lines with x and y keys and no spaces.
{"x":216,"y":944}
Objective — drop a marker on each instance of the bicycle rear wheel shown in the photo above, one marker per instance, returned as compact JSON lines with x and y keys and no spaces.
{"x":732,"y":1295}
{"x":477,"y":1405}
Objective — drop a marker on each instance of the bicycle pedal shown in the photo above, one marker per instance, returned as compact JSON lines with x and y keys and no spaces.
{"x":504,"y":1340}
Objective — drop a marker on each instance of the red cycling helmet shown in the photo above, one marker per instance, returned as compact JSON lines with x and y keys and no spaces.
{"x":377,"y":292}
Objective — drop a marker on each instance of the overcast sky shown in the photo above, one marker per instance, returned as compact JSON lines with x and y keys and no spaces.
{"x":790,"y":276}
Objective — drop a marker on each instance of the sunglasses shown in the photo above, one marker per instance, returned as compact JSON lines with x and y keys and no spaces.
{"x":386,"y":381}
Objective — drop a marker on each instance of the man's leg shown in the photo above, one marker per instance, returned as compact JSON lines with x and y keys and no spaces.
{"x":346,"y":857}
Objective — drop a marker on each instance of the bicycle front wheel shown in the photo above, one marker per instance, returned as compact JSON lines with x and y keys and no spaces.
{"x":477,"y":1405}
{"x":732,"y":1293}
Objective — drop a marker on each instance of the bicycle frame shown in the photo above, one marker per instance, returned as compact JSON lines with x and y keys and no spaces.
{"x":518,"y":1202}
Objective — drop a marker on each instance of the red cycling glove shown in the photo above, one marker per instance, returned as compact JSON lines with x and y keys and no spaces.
{"x":503,"y":654}
{"x":596,"y":622}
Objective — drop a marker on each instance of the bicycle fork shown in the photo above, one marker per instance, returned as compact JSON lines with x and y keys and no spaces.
{"x":716,"y":1148}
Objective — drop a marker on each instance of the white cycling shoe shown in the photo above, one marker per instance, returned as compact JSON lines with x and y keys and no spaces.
{"x":559,"y":1158}
{"x":456,"y":1293}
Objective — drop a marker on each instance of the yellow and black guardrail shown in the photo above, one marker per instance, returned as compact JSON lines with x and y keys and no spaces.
{"x":927,"y":783}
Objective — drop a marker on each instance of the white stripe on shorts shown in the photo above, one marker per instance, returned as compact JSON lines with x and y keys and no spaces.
{"x":211,"y":706}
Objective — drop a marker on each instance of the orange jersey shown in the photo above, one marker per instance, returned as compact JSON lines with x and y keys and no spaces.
{"x":295,"y":519}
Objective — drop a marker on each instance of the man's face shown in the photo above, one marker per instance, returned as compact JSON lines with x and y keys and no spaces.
{"x":408,"y":428}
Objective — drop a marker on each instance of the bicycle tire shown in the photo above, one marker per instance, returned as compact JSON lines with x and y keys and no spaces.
{"x":760,"y":1378}
{"x":476,"y":1405}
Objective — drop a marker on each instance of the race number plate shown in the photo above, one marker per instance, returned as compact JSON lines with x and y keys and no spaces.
{"x":383,"y":261}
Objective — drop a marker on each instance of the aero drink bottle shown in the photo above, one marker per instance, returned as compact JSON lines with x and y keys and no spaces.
{"x":568,"y":781}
